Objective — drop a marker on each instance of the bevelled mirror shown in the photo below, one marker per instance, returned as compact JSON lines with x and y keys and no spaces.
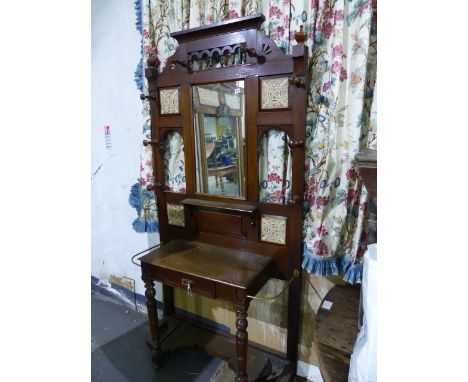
{"x":219,"y":130}
{"x":275,"y":167}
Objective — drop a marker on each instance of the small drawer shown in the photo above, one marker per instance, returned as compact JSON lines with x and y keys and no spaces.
{"x":226,"y":293}
{"x":198,"y":285}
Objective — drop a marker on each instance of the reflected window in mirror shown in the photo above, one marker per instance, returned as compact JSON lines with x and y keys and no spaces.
{"x":219,"y":130}
{"x":174,"y":162}
{"x":275,"y":167}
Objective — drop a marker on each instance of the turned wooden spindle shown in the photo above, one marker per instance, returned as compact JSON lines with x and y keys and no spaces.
{"x":300,"y":35}
{"x":154,"y":343}
{"x":242,"y":339}
{"x":152,"y":61}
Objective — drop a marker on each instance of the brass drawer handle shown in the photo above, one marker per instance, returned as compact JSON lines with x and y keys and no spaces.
{"x":188,"y":283}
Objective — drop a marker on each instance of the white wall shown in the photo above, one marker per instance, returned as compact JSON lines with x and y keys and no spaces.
{"x":115,"y":102}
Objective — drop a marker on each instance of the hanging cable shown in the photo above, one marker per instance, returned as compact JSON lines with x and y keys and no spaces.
{"x":139,"y":253}
{"x":315,"y":290}
{"x":296,"y":275}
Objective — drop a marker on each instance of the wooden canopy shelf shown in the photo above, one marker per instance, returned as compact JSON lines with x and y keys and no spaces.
{"x":241,"y":209}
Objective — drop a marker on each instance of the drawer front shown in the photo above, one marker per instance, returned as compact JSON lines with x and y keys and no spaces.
{"x":226,"y":293}
{"x":198,"y":285}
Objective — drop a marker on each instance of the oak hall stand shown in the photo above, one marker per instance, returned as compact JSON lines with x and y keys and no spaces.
{"x":223,"y":91}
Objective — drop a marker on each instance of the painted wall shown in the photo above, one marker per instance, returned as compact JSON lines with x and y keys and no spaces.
{"x":115,"y":102}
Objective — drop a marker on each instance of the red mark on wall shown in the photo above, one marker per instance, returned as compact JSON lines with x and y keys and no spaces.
{"x":107,"y":136}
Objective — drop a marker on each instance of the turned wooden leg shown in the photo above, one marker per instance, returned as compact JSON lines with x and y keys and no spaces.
{"x":241,"y":344}
{"x":154,"y":343}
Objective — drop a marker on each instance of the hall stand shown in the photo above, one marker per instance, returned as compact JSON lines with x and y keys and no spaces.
{"x":222,"y":92}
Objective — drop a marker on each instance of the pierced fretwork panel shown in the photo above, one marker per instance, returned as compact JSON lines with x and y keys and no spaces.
{"x":230,"y":55}
{"x":273,"y":229}
{"x":169,"y":101}
{"x":275,"y":93}
{"x":175,"y":214}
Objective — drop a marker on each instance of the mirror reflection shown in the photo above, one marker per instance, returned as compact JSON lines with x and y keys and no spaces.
{"x":218,"y":112}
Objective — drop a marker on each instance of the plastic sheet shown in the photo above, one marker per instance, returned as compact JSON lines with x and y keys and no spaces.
{"x":363,"y":365}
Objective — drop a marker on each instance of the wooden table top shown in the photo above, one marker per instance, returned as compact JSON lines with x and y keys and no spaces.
{"x":338,"y":327}
{"x":220,"y":264}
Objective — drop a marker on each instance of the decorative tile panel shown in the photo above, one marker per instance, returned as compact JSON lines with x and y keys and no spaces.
{"x":275,"y":93}
{"x":273,"y":229}
{"x":175,"y":214}
{"x":169,"y":101}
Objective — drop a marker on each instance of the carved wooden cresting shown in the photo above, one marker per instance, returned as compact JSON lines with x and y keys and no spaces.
{"x":225,"y":89}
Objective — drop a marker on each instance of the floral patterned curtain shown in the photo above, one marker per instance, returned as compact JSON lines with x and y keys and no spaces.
{"x":343,"y":40}
{"x":174,"y":162}
{"x":275,"y":166}
{"x":341,"y":110}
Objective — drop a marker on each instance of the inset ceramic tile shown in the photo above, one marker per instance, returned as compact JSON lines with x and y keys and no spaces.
{"x":169,"y":101}
{"x":275,"y":93}
{"x":273,"y":229}
{"x":175,"y":214}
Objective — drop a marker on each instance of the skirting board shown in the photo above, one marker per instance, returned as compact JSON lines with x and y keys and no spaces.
{"x":311,"y":372}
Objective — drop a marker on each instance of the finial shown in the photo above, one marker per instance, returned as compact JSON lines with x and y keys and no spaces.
{"x":152,"y":60}
{"x":300,"y":36}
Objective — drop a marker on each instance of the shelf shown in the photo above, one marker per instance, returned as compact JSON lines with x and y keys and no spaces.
{"x":233,"y":208}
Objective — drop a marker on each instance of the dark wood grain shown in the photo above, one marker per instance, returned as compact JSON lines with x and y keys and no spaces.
{"x":241,"y":343}
{"x":236,"y":208}
{"x":247,"y":22}
{"x":213,"y":262}
{"x":154,"y":343}
{"x":336,"y":331}
{"x":220,"y":250}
